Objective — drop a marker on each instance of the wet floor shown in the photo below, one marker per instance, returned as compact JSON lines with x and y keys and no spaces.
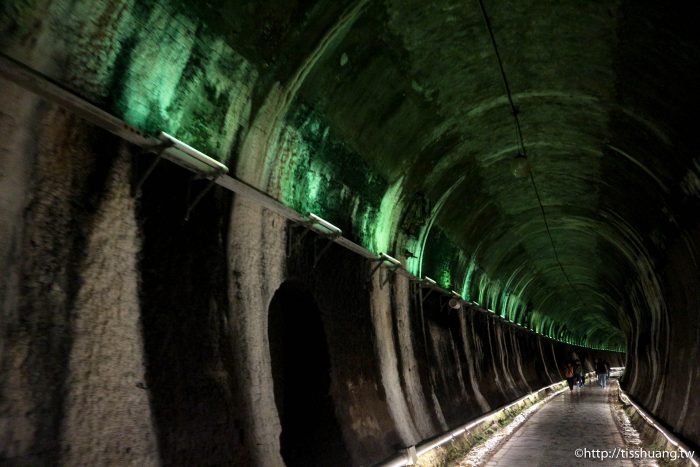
{"x":577,"y":420}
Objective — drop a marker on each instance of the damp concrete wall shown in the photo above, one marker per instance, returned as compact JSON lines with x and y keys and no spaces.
{"x":662,"y":377}
{"x":72,"y":357}
{"x":132,"y":337}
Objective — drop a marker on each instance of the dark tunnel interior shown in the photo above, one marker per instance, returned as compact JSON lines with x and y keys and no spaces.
{"x":301,"y":372}
{"x":323,"y":232}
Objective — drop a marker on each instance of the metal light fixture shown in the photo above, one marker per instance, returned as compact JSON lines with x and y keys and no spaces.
{"x":389,"y":261}
{"x":429,"y":280}
{"x":455,"y":301}
{"x":520,"y":166}
{"x":186,"y":156}
{"x":322,"y":226}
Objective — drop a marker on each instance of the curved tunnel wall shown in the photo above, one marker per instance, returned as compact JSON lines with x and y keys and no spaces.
{"x":192,"y":395}
{"x":161,"y":69}
{"x":236,"y":97}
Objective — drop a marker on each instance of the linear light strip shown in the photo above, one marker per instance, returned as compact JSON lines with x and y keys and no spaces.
{"x":425,"y":447}
{"x":35,"y":82}
{"x":651,"y":421}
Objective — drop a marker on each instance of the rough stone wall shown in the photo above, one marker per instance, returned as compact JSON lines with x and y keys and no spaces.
{"x":399,"y":377}
{"x":256,"y":250}
{"x":185,"y":311}
{"x":402,"y":370}
{"x":106,"y":416}
{"x":400,"y":374}
{"x":675,"y":377}
{"x":72,"y":357}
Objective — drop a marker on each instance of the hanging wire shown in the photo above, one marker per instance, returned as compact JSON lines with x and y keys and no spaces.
{"x":521,"y":143}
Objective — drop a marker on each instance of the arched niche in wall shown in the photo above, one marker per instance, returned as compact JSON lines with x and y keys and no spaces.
{"x":300,"y":363}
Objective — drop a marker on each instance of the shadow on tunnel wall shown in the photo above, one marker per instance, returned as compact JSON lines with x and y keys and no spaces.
{"x":189,"y":361}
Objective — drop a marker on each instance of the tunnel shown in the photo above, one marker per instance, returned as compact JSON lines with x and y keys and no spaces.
{"x":336,"y":232}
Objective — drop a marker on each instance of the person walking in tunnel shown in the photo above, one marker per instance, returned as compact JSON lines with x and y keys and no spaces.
{"x":602,"y":372}
{"x":578,"y":373}
{"x":606,"y":374}
{"x":569,"y":375}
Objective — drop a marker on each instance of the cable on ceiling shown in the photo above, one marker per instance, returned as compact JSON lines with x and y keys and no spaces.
{"x":521,"y":142}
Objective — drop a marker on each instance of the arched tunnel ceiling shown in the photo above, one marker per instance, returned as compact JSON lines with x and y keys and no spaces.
{"x":394,"y":124}
{"x":415,"y":89}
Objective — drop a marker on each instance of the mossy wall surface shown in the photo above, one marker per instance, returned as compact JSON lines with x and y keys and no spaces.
{"x":389,"y":119}
{"x":346,"y":146}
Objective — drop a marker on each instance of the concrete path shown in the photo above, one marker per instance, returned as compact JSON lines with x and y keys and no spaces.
{"x":573,"y":420}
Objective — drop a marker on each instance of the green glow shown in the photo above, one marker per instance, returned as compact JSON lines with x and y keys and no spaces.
{"x":318,"y":174}
{"x":178,"y":78}
{"x":466,"y":286}
{"x":313,"y":183}
{"x":365,"y":226}
{"x":161,"y":69}
{"x":445,"y":278}
{"x":443,"y":260}
{"x":388,"y":217}
{"x":152,"y":82}
{"x":413,"y":265}
{"x":504,"y":298}
{"x":426,"y":229}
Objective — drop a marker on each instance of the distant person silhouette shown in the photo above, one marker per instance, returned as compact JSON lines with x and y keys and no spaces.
{"x":601,"y":371}
{"x":569,"y":375}
{"x":578,"y":374}
{"x":607,"y":371}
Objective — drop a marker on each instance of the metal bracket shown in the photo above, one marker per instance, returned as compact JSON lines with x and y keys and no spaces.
{"x":386,"y":279}
{"x":411,"y":455}
{"x":425,"y":296}
{"x":158,"y":151}
{"x":319,"y":254}
{"x":191,"y":205}
{"x":413,"y":286}
{"x":392,"y":264}
{"x":432,"y":285}
{"x":293,"y":245}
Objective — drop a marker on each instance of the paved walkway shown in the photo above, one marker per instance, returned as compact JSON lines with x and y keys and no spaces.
{"x":572,"y":420}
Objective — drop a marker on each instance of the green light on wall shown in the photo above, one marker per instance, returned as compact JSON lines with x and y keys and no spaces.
{"x":387,"y":221}
{"x":445,"y":278}
{"x":466,"y":287}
